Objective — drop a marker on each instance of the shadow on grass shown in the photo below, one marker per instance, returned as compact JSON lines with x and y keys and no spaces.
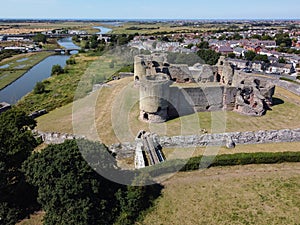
{"x":277,"y":101}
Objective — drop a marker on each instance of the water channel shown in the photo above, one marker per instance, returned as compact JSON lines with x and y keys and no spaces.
{"x":25,"y":84}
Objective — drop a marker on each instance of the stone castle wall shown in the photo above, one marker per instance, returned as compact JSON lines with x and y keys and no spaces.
{"x":238,"y":138}
{"x":202,"y":88}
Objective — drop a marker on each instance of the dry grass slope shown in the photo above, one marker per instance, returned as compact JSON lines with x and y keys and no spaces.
{"x":260,"y":194}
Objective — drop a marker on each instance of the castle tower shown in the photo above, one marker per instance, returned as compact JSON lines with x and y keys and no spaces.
{"x":154,"y":95}
{"x":140,"y":67}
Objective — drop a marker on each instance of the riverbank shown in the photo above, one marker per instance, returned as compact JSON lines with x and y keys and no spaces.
{"x":14,"y":68}
{"x":59,"y":89}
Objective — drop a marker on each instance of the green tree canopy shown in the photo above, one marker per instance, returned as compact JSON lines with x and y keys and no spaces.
{"x":250,"y":55}
{"x":39,"y":88}
{"x":282,"y":60}
{"x":263,"y":58}
{"x":40,"y":38}
{"x":209,"y":56}
{"x":283,"y":40}
{"x":17,"y":143}
{"x":56,"y":70}
{"x":70,"y":191}
{"x":203,"y":45}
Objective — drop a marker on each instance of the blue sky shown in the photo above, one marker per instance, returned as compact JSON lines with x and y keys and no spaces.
{"x":151,"y":9}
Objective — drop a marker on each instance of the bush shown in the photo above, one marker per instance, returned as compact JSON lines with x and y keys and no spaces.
{"x":71,"y":61}
{"x":209,"y":56}
{"x":56,"y":70}
{"x":172,"y":166}
{"x":289,"y":80}
{"x":39,"y":88}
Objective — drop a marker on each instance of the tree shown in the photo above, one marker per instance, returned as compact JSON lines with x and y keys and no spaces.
{"x":263,"y":58}
{"x":203,"y":45}
{"x":165,"y":39}
{"x":70,"y":191}
{"x":136,"y":199}
{"x":283,"y":40}
{"x":56,"y":70}
{"x":39,"y":88}
{"x":250,"y":55}
{"x":237,"y":36}
{"x":189,"y":46}
{"x":222,"y":37}
{"x":17,"y":198}
{"x":231,"y":55}
{"x":40,"y":38}
{"x":256,"y":36}
{"x":266,"y":38}
{"x":93,"y":44}
{"x":209,"y":56}
{"x":281,"y":60}
{"x":76,"y":38}
{"x":71,"y":61}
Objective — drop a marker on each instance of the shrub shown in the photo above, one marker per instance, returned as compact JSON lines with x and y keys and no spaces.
{"x":289,"y":80}
{"x":39,"y":88}
{"x":71,"y":61}
{"x":56,"y":70}
{"x":172,"y":166}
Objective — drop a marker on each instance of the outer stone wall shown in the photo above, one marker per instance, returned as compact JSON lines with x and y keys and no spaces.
{"x":238,"y":138}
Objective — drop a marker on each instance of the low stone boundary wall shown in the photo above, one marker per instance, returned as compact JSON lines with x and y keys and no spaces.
{"x":127,"y":150}
{"x":55,"y":137}
{"x":231,"y":139}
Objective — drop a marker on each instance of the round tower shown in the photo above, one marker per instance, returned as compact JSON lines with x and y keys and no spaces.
{"x":154,"y":95}
{"x":139,"y":67}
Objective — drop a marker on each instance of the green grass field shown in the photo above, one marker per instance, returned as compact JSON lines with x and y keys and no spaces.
{"x":185,"y":153}
{"x":27,"y":27}
{"x":253,"y":194}
{"x":77,"y":82}
{"x":18,"y":65}
{"x":151,"y":28}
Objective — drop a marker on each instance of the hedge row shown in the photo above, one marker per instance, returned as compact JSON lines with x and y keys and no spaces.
{"x":196,"y":163}
{"x":289,"y":80}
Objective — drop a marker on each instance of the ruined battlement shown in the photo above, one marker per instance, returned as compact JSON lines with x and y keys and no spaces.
{"x":172,"y":90}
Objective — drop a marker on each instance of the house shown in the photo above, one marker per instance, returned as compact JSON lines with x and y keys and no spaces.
{"x":239,"y":51}
{"x":258,"y":66}
{"x":224,"y":49}
{"x":238,"y":63}
{"x":268,"y":44}
{"x":254,"y":48}
{"x":273,"y":59}
{"x":281,"y":68}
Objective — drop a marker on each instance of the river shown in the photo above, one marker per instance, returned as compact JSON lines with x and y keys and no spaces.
{"x":103,"y":30}
{"x":25,"y":84}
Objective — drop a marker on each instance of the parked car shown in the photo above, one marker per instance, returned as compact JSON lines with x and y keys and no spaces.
{"x":247,"y":70}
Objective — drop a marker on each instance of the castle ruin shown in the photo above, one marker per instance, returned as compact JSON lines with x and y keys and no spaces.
{"x":172,"y":90}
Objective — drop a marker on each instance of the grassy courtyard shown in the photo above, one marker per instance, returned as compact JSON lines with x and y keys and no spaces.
{"x":109,"y":114}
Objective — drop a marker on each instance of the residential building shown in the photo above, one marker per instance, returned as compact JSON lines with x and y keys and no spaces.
{"x":281,"y":68}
